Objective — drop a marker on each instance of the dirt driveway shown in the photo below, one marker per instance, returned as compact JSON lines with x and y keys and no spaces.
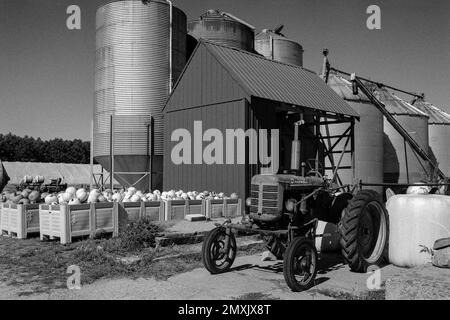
{"x":250,"y":278}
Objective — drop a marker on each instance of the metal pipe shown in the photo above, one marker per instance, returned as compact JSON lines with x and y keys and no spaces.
{"x":397,"y":126}
{"x":403,"y":184}
{"x":170,"y":45}
{"x":271,"y":48}
{"x":91,"y":156}
{"x":379,"y":84}
{"x":111,"y":150}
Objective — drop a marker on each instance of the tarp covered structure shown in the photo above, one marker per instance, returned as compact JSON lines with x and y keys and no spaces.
{"x":4,"y":178}
{"x":72,"y":174}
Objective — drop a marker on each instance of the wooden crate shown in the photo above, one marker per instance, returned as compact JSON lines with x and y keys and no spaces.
{"x":178,"y":209}
{"x":223,"y":208}
{"x":19,"y":219}
{"x":133,"y":211}
{"x":66,"y":222}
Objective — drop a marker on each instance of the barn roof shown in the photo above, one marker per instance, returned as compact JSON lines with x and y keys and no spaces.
{"x":263,"y":78}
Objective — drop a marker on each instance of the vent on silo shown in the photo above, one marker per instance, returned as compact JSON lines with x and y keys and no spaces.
{"x":132,"y":83}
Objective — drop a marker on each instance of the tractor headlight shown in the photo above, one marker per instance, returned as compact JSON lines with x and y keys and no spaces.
{"x":290,"y":205}
{"x":248,"y":202}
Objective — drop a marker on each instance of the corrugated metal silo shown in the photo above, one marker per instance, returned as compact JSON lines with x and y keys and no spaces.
{"x":132,"y":72}
{"x":223,"y":28}
{"x":275,"y":46}
{"x":398,"y":155}
{"x":368,"y":137}
{"x":438,"y":134}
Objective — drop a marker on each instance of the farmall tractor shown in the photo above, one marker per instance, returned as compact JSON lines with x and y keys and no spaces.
{"x":285,"y":210}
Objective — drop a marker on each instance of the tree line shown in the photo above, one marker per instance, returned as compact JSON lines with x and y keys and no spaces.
{"x":29,"y":149}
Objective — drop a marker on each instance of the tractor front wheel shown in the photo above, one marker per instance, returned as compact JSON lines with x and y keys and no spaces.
{"x":300,"y":264}
{"x":219,"y":250}
{"x":364,"y":230}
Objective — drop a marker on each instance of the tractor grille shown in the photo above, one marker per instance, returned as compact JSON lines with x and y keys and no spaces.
{"x":269,"y":199}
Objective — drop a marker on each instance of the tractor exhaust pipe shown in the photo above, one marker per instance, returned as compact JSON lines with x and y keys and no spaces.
{"x":296,"y":146}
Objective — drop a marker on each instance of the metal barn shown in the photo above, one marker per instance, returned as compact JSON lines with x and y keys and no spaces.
{"x":229,"y":88}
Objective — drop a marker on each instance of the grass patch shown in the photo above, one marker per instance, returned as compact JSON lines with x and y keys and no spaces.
{"x":37,"y":266}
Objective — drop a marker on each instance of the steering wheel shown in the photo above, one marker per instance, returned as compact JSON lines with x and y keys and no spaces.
{"x":315,"y":173}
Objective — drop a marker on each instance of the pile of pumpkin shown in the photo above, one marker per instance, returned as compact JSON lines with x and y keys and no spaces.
{"x":72,"y":196}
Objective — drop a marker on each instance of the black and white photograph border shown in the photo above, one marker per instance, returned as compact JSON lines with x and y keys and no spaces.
{"x":247,"y":152}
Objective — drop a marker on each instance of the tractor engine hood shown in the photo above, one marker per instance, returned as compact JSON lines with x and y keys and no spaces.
{"x":287,"y":179}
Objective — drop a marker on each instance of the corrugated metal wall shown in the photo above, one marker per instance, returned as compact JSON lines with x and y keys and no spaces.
{"x":206,"y":92}
{"x":216,"y":177}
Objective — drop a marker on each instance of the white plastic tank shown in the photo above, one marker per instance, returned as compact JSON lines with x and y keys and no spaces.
{"x":415,"y":223}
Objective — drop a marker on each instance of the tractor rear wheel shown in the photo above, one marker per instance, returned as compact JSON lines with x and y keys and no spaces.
{"x":364,"y":230}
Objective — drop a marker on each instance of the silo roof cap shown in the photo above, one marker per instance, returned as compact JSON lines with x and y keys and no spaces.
{"x":217,"y":14}
{"x":437,"y":116}
{"x":395,"y":105}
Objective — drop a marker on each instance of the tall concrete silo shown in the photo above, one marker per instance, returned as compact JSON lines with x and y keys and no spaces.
{"x":133,"y":73}
{"x":223,"y":28}
{"x":368,"y":135}
{"x":273,"y":45}
{"x":438,"y":133}
{"x":401,"y":164}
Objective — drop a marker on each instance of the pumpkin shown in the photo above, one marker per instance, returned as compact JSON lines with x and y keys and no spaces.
{"x":82,"y":195}
{"x":93,"y":198}
{"x":117,"y":197}
{"x":66,"y":197}
{"x":135,"y":198}
{"x":72,"y":191}
{"x":74,"y":201}
{"x":34,"y":196}
{"x":51,"y":198}
{"x":24,"y":201}
{"x":94,"y":192}
{"x":16,"y":199}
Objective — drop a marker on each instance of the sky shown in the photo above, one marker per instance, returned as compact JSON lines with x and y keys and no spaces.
{"x":47,"y":71}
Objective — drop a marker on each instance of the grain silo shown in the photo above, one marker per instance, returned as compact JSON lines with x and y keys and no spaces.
{"x":401,"y":164}
{"x":273,"y":45}
{"x":438,"y":134}
{"x":136,"y":63}
{"x":368,"y":153}
{"x":223,"y":28}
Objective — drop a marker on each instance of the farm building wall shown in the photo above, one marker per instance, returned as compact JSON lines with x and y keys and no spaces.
{"x":226,"y":178}
{"x":205,"y":92}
